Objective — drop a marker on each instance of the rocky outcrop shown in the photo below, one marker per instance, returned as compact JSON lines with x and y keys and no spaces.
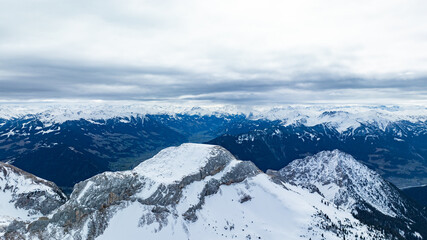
{"x":25,"y":197}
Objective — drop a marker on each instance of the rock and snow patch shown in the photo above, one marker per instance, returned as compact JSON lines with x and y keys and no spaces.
{"x":345,"y":181}
{"x":351,"y":186}
{"x":24,"y":196}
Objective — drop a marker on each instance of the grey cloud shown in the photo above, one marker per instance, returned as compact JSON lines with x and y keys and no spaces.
{"x":268,"y":52}
{"x":38,"y":79}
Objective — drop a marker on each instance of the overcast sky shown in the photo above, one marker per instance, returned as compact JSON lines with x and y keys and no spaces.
{"x":221,"y":51}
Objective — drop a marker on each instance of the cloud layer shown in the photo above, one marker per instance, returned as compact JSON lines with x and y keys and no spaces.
{"x":245,"y":52}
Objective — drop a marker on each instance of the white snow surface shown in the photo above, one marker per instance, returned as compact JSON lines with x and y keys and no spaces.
{"x":342,"y":117}
{"x":174,"y":163}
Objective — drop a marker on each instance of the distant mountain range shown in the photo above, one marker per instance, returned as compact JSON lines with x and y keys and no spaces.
{"x":198,"y":191}
{"x":67,"y":144}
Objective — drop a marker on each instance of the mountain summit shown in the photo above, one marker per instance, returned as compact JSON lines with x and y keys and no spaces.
{"x":350,"y":185}
{"x":345,"y":181}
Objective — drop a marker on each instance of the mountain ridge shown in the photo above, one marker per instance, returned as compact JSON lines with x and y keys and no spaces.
{"x":95,"y":138}
{"x":198,"y":191}
{"x":351,"y":185}
{"x":24,"y":196}
{"x":342,"y":117}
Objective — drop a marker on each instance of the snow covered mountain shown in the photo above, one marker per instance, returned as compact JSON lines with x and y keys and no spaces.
{"x":344,"y":181}
{"x":197,"y":191}
{"x":25,"y":197}
{"x":350,"y":185}
{"x":418,"y":194}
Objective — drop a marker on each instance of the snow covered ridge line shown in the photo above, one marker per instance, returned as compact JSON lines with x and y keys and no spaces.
{"x":26,"y":197}
{"x":345,"y":116}
{"x":335,"y":173}
{"x":62,"y":112}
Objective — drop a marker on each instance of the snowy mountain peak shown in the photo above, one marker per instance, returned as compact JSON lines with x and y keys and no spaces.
{"x":329,"y":166}
{"x":24,"y":196}
{"x":343,"y":180}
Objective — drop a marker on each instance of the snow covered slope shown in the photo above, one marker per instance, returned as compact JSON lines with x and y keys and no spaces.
{"x":343,"y":180}
{"x":352,"y":186}
{"x":24,"y":196}
{"x":195,"y":191}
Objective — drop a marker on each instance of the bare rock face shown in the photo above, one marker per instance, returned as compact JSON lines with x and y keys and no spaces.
{"x":25,"y":197}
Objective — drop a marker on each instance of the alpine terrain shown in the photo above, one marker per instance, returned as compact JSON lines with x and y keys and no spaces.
{"x":25,"y":197}
{"x":198,"y":191}
{"x":69,"y":143}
